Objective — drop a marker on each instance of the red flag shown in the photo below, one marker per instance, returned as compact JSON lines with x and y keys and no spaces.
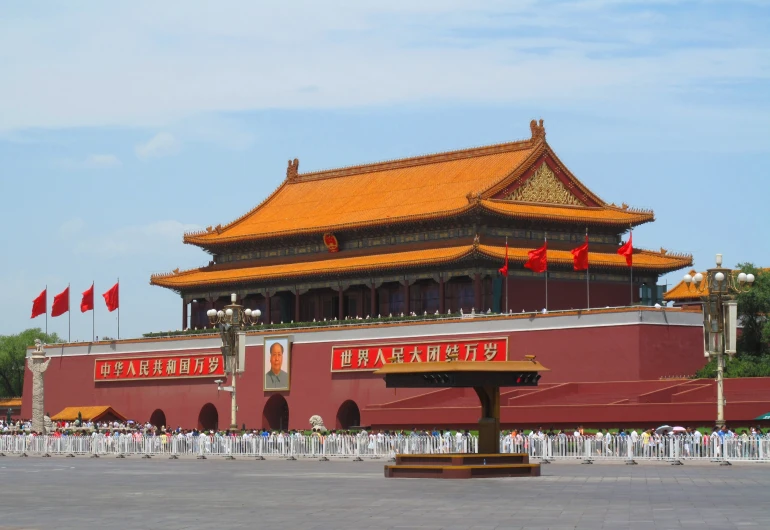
{"x":40,"y":304}
{"x":504,"y":269}
{"x":61,"y":303}
{"x":627,"y":250}
{"x":111,"y":298}
{"x":580,"y":256}
{"x":538,"y":259}
{"x":87,"y":304}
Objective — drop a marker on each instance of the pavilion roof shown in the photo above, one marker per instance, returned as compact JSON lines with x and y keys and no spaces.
{"x":13,"y":402}
{"x":682,"y":291}
{"x":419,"y":188}
{"x":87,"y":413}
{"x":346,"y":265}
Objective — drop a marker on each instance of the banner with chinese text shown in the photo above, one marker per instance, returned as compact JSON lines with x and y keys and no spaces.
{"x":166,"y":367}
{"x":371,"y":357}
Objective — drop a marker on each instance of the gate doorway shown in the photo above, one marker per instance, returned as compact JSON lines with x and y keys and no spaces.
{"x":275,"y":415}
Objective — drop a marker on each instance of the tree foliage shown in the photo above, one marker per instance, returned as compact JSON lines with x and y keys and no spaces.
{"x":13,"y":353}
{"x":753,"y":311}
{"x":753,"y":358}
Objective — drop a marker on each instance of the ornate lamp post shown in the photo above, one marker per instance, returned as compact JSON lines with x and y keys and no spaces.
{"x":720,"y":317}
{"x":231,"y":320}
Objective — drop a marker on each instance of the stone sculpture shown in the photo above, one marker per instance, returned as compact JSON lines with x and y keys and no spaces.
{"x":38,"y":363}
{"x":317,"y":423}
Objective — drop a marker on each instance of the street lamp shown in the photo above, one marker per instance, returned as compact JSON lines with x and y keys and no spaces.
{"x":720,"y":316}
{"x":231,"y":321}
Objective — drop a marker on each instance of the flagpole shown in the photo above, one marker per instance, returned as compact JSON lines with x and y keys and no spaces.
{"x":118,"y":308}
{"x":506,"y":275}
{"x":93,"y":313}
{"x":46,"y":310}
{"x":588,"y":283}
{"x":545,"y":239}
{"x":632,"y":267}
{"x":69,"y":315}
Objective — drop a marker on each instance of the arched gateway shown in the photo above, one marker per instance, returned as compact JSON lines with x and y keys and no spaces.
{"x":208,"y":418}
{"x":348,"y":415}
{"x":275,"y":415}
{"x":158,"y":419}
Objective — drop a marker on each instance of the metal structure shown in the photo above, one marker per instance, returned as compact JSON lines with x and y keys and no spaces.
{"x":231,"y":321}
{"x":720,"y":316}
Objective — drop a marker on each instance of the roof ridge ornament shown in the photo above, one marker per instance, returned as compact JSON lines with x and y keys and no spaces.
{"x":538,"y":130}
{"x":292,"y":172}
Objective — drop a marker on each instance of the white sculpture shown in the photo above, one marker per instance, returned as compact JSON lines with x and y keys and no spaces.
{"x":38,"y":363}
{"x":317,"y":423}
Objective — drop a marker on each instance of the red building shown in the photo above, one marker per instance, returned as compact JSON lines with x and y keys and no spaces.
{"x":422,"y":235}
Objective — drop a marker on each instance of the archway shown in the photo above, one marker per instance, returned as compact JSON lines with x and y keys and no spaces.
{"x":158,"y":419}
{"x":208,"y":418}
{"x":275,"y":415}
{"x":348,"y":415}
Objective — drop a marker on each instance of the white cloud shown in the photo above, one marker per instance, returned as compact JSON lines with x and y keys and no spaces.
{"x":90,"y":162}
{"x":156,"y":239}
{"x":159,"y":64}
{"x":162,"y":144}
{"x":101,"y":161}
{"x":71,"y":227}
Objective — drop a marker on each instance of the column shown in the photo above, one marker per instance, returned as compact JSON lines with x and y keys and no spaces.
{"x":209,"y":305}
{"x":268,"y":308}
{"x":341,"y":303}
{"x":406,"y":297}
{"x":441,"y":304}
{"x":477,"y":292}
{"x":38,"y":363}
{"x":296,"y":306}
{"x":373,"y":301}
{"x":184,"y":314}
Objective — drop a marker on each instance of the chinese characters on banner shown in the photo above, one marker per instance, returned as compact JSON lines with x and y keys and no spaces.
{"x":177,"y":366}
{"x":371,"y":357}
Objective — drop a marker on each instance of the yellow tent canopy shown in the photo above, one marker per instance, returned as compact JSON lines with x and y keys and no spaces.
{"x":104,"y":412}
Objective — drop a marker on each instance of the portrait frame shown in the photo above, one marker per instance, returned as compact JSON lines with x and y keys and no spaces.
{"x":272,"y":382}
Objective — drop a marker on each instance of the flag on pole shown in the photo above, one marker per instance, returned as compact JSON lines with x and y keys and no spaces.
{"x":87,"y":304}
{"x":504,"y":269}
{"x":111,"y":298}
{"x":627,"y":250}
{"x":40,"y":304}
{"x":580,"y":256}
{"x":538,"y":259}
{"x":61,"y":303}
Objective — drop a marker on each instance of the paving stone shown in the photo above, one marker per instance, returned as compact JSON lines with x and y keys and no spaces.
{"x":187,"y":493}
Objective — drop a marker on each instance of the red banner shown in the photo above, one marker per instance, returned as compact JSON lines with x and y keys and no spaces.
{"x":372,"y":356}
{"x":167,"y":367}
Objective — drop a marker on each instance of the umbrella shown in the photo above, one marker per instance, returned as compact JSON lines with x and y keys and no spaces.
{"x":663,"y":428}
{"x":765,"y":416}
{"x":679,"y":429}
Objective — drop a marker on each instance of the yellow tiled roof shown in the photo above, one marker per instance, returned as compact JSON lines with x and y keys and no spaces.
{"x":87,"y":413}
{"x":9,"y":402}
{"x":643,"y":260}
{"x":410,"y":189}
{"x":419,"y":188}
{"x":607,"y":215}
{"x":682,"y":291}
{"x":340,"y":265}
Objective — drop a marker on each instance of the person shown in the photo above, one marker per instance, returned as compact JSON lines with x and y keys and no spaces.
{"x":276,"y":378}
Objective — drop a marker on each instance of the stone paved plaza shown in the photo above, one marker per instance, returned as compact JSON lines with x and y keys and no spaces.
{"x":159,"y":493}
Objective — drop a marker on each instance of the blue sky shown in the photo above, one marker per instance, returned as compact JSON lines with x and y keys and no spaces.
{"x":123,"y":126}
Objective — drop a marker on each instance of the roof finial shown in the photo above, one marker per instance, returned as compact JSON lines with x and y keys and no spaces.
{"x":293,"y":170}
{"x":538,"y":131}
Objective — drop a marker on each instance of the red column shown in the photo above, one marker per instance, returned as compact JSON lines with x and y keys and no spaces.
{"x":406,"y":297}
{"x":268,"y":309}
{"x":296,"y":306}
{"x":184,"y":314}
{"x":341,"y":304}
{"x":209,"y":305}
{"x":441,"y":304}
{"x":373,"y":301}
{"x":477,"y":292}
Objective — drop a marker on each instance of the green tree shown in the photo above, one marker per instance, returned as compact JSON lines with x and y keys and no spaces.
{"x":13,"y":353}
{"x":753,"y":310}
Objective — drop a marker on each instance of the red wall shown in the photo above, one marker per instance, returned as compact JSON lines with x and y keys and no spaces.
{"x":610,"y":353}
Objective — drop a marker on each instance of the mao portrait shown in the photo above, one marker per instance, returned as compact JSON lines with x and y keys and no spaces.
{"x":277,"y":352}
